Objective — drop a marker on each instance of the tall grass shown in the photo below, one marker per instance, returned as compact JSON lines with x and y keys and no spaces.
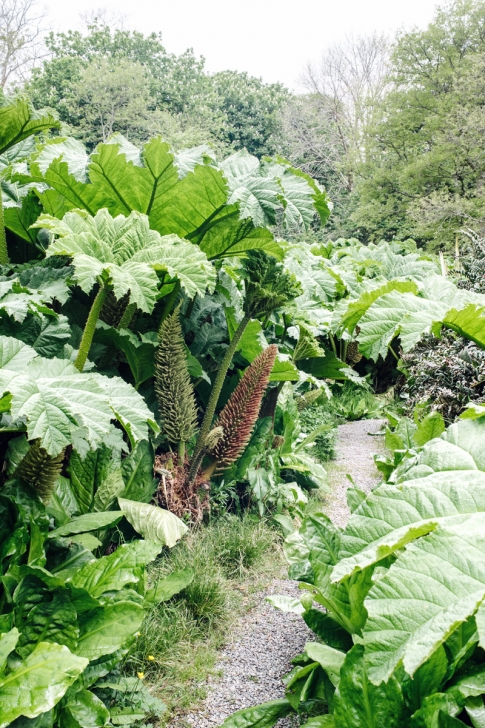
{"x":177,"y":647}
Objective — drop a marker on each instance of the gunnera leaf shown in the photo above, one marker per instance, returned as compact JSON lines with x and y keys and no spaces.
{"x":173,"y":387}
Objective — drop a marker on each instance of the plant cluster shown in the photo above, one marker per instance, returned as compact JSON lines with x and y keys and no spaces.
{"x":402,"y":590}
{"x":444,"y":374}
{"x":158,"y":347}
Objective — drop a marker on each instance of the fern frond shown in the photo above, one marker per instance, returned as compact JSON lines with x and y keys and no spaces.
{"x":40,"y":470}
{"x":173,"y":387}
{"x":241,"y":412}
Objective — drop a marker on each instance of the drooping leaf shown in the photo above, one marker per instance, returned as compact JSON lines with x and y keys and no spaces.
{"x":429,"y":591}
{"x":390,"y":517}
{"x":87,"y":522}
{"x":153,"y":523}
{"x":168,"y":586}
{"x":329,"y":658}
{"x":260,"y":716}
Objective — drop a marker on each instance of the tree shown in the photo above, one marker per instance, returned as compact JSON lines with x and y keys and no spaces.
{"x":324,"y":130}
{"x":349,"y":82}
{"x":230,"y":110}
{"x":251,"y":109}
{"x":111,"y":96}
{"x":21,"y":38}
{"x":424,"y":170}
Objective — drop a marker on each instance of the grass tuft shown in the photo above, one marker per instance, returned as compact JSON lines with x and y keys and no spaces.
{"x":232,"y":558}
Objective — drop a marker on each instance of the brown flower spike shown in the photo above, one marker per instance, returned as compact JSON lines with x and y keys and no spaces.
{"x":241,"y":412}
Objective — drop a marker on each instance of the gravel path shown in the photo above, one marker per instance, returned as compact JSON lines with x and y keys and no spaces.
{"x":262,"y":647}
{"x":356,"y":445}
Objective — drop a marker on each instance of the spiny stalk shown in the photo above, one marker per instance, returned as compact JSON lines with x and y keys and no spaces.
{"x":267,"y":287}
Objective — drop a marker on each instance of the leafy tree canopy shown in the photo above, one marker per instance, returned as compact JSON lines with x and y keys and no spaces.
{"x":167,"y":94}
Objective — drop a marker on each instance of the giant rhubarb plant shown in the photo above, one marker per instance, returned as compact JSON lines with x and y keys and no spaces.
{"x":18,"y":121}
{"x":173,"y":387}
{"x":267,"y":287}
{"x":238,"y":417}
{"x":122,"y":255}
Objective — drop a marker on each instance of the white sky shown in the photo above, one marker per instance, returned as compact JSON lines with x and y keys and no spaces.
{"x":269,"y":38}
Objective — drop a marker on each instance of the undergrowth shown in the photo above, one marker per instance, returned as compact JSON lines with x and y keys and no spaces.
{"x":232,"y":558}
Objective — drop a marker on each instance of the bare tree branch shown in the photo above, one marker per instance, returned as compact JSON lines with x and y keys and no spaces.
{"x":22,"y":30}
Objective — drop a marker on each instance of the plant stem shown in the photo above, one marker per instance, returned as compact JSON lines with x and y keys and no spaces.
{"x":169,"y":302}
{"x":90,"y":327}
{"x":210,"y":470}
{"x":393,"y":353}
{"x":127,"y":316}
{"x":181,"y":452}
{"x":214,"y":396}
{"x":190,"y":307}
{"x":332,"y":343}
{"x":3,"y":235}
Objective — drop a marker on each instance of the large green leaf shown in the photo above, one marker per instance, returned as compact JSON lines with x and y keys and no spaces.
{"x":460,"y":448}
{"x":18,"y":120}
{"x":329,"y":658}
{"x":260,"y":716}
{"x":137,"y":473}
{"x":392,"y":516}
{"x":87,"y":709}
{"x":126,"y":249}
{"x":312,"y":553}
{"x":427,"y":593}
{"x":45,"y":621}
{"x":113,"y":572}
{"x":87,"y":522}
{"x":153,"y":523}
{"x":358,"y":702}
{"x":105,"y":630}
{"x":469,"y":322}
{"x":38,"y":684}
{"x":8,"y":641}
{"x":87,"y":474}
{"x":59,"y":402}
{"x":394,"y":314}
{"x":355,"y":309}
{"x":168,"y":586}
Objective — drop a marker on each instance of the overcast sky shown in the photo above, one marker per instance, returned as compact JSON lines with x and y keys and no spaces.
{"x":269,"y":38}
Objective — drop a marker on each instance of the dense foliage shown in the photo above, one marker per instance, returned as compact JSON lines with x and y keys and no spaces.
{"x":107,"y":81}
{"x":401,"y":632}
{"x":178,"y":340}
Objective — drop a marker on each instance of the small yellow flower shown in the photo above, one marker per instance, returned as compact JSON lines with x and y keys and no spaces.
{"x":138,"y":634}
{"x":151,"y":658}
{"x":141,"y":675}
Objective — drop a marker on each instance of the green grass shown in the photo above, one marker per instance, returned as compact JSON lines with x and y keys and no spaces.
{"x":232,"y":558}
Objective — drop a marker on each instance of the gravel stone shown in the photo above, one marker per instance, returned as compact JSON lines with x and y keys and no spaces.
{"x":262,"y":647}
